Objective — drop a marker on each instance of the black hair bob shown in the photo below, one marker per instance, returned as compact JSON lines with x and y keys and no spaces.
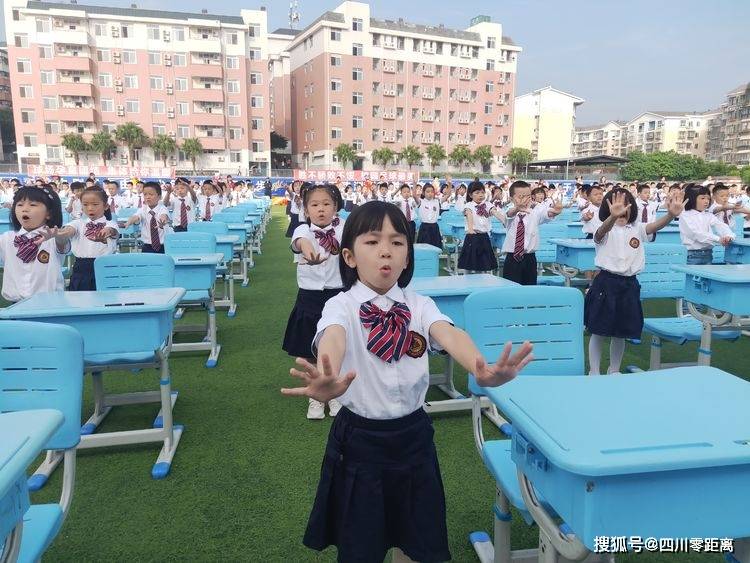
{"x":692,"y":191}
{"x":629,"y":200}
{"x":332,"y":190}
{"x":369,"y":217}
{"x":44,"y":195}
{"x":101,"y":194}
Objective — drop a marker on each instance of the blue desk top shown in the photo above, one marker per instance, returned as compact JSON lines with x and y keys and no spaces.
{"x":691,"y":417}
{"x":22,"y":436}
{"x":441,"y":286}
{"x":94,"y":303}
{"x":729,"y":273}
{"x":197,"y":259}
{"x":227,"y":239}
{"x":739,"y":242}
{"x":427,"y":248}
{"x":574,"y":242}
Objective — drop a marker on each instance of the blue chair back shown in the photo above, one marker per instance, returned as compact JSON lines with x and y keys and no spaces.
{"x":426,"y":260}
{"x":133,"y":271}
{"x":4,"y":214}
{"x":41,"y":367}
{"x":126,"y":212}
{"x":218,"y":228}
{"x":190,"y":242}
{"x":658,"y":280}
{"x":551,"y":318}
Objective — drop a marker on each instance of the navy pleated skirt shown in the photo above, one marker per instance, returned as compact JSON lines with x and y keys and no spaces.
{"x":293,"y":224}
{"x":429,"y":233}
{"x":612,"y":306}
{"x":380,"y":487}
{"x":82,"y":277}
{"x":303,"y":321}
{"x":477,"y":253}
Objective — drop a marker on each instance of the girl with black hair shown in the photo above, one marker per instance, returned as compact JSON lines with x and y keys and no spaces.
{"x":700,"y":229}
{"x":32,"y":259}
{"x":294,"y":208}
{"x":477,"y":254}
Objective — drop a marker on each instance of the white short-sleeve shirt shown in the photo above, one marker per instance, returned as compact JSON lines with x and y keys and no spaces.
{"x":381,"y":390}
{"x":481,"y":224}
{"x":43,"y":274}
{"x":621,"y":250}
{"x":84,"y":247}
{"x":429,"y":210}
{"x":325,"y":275}
{"x":592,"y":224}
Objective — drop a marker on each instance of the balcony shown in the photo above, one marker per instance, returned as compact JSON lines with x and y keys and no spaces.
{"x":211,"y":143}
{"x":70,"y":36}
{"x":211,"y":94}
{"x":209,"y":118}
{"x":390,"y":68}
{"x":84,"y":89}
{"x":200,"y":44}
{"x":72,"y":114}
{"x":206,"y":70}
{"x":68,"y":61}
{"x":428,"y":95}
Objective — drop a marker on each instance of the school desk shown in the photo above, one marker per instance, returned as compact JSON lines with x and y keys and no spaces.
{"x":626,"y":455}
{"x":23,"y":434}
{"x":121,"y":330}
{"x":573,"y":256}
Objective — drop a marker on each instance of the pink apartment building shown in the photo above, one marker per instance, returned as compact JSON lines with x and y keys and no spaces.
{"x":81,"y":68}
{"x":375,"y":83}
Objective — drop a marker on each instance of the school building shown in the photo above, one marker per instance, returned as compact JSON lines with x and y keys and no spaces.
{"x":729,"y":128}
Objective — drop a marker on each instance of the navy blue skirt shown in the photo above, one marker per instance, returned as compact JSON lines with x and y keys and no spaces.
{"x":303,"y":321}
{"x":612,"y":306}
{"x":380,"y":487}
{"x":429,"y":233}
{"x":293,"y":224}
{"x":477,"y":253}
{"x":82,"y":277}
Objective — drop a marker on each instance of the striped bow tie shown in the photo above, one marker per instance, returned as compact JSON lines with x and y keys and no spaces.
{"x":336,"y":222}
{"x":482,"y":210}
{"x":327,"y":240}
{"x":28,"y":248}
{"x":93,"y":230}
{"x":389,"y":331}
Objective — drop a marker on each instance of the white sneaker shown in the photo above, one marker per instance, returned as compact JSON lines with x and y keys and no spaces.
{"x":333,"y":407}
{"x":315,"y":410}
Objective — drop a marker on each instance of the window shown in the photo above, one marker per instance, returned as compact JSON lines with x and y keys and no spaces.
{"x":357,"y":49}
{"x":126,"y":31}
{"x":52,"y":127}
{"x":490,"y":42}
{"x":232,"y":37}
{"x":336,"y":86}
{"x":107,"y":105}
{"x":337,"y":109}
{"x":16,"y":15}
{"x":154,"y":58}
{"x":53,"y":152}
{"x":29,"y":140}
{"x":182,"y":108}
{"x":129,"y":58}
{"x":357,"y":74}
{"x":233,"y":110}
{"x":254,"y":54}
{"x":132,"y":106}
{"x":235,"y":133}
{"x":108,"y":127}
{"x":256,"y":78}
{"x":105,"y":80}
{"x":357,"y":122}
{"x":487,"y":108}
{"x":233,"y":62}
{"x":357,"y":24}
{"x":358,"y":98}
{"x":27,"y":116}
{"x":26,"y":91}
{"x":358,"y":145}
{"x":179,"y":59}
{"x":256,"y":124}
{"x":180,"y":84}
{"x":103,"y":55}
{"x":45,"y":52}
{"x":489,"y":87}
{"x":257,"y":146}
{"x":130,"y":81}
{"x":49,"y":102}
{"x":335,"y":60}
{"x":490,"y":64}
{"x":100,"y":29}
{"x":23,"y":66}
{"x":178,"y":33}
{"x":43,"y":25}
{"x":159,"y":129}
{"x":335,"y":35}
{"x":183,"y":131}
{"x":233,"y":86}
{"x":488,"y":129}
{"x":157,"y":107}
{"x":47,"y":76}
{"x":254,"y":30}
{"x":153,"y":32}
{"x":156,"y":82}
{"x":336,"y":133}
{"x":256,"y":101}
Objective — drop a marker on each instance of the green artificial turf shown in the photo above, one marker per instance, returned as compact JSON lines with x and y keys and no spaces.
{"x":244,"y":476}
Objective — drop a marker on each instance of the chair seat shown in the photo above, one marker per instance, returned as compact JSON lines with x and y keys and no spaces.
{"x":550,"y":280}
{"x":40,"y":526}
{"x":683,"y":329}
{"x":196,"y":295}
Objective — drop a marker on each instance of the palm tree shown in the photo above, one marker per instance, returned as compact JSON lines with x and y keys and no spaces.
{"x":460,"y":155}
{"x":345,"y":154}
{"x":483,"y":155}
{"x":132,"y":136}
{"x":436,"y":155}
{"x":411,"y":155}
{"x":163,"y":146}
{"x":103,"y":144}
{"x":519,"y":157}
{"x":75,"y":143}
{"x":383,"y":156}
{"x":192,"y":149}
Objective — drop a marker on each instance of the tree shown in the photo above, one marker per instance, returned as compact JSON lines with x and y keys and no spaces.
{"x":192,"y":149}
{"x":483,"y":155}
{"x":745,"y":175}
{"x":411,"y":155}
{"x":103,"y":144}
{"x":278,"y":142}
{"x":383,"y":156}
{"x":7,"y":130}
{"x":673,"y":166}
{"x":75,"y":143}
{"x":345,"y":154}
{"x":436,"y":155}
{"x":519,"y":157}
{"x":163,"y":146}
{"x":132,"y":136}
{"x":460,"y":155}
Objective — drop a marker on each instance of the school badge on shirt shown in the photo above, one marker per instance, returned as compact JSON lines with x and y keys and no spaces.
{"x":634,"y":243}
{"x":417,"y":345}
{"x":43,"y":257}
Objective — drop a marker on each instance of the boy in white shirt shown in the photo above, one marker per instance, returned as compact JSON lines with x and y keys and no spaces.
{"x":153,"y":219}
{"x":181,"y":206}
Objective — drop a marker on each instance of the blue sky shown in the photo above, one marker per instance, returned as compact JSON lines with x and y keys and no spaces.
{"x":621,"y":57}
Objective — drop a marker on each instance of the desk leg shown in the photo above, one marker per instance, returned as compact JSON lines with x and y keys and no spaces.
{"x":12,"y":548}
{"x":213,"y":357}
{"x":232,"y":305}
{"x":101,"y":410}
{"x":704,"y":350}
{"x":172,"y":434}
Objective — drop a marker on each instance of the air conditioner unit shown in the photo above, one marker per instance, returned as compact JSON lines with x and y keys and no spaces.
{"x":116,"y":58}
{"x":115,"y":29}
{"x":170,"y":113}
{"x":123,"y":159}
{"x":118,"y":88}
{"x":118,"y":82}
{"x":170,"y":89}
{"x":166,"y":35}
{"x":167,"y":62}
{"x":172,"y":134}
{"x":221,"y":159}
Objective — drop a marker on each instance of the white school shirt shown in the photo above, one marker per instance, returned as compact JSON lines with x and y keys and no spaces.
{"x":531,"y":222}
{"x":460,"y":203}
{"x":481,"y":224}
{"x":381,"y":390}
{"x":76,"y":209}
{"x":120,"y":201}
{"x":592,"y":224}
{"x":384,"y":197}
{"x":582,"y":203}
{"x":83,"y":247}
{"x":429,"y":211}
{"x":214,"y":201}
{"x":621,"y":250}
{"x":411,"y":204}
{"x":175,"y":206}
{"x":145,"y":214}
{"x":136,"y":200}
{"x":446,"y":205}
{"x":651,"y":208}
{"x":697,"y":229}
{"x":727,"y":216}
{"x":43,"y":274}
{"x":325,"y":275}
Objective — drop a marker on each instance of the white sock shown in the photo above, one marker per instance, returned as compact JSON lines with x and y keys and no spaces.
{"x":616,"y":351}
{"x":596,"y":342}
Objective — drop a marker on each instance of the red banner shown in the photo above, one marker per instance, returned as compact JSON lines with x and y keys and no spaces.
{"x":100,"y":171}
{"x":355,"y":175}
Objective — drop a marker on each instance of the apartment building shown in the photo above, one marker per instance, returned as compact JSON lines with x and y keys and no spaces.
{"x":389,"y":83}
{"x":5,"y":94}
{"x":729,"y":129}
{"x":655,"y":131}
{"x":595,"y":140}
{"x":81,"y":69}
